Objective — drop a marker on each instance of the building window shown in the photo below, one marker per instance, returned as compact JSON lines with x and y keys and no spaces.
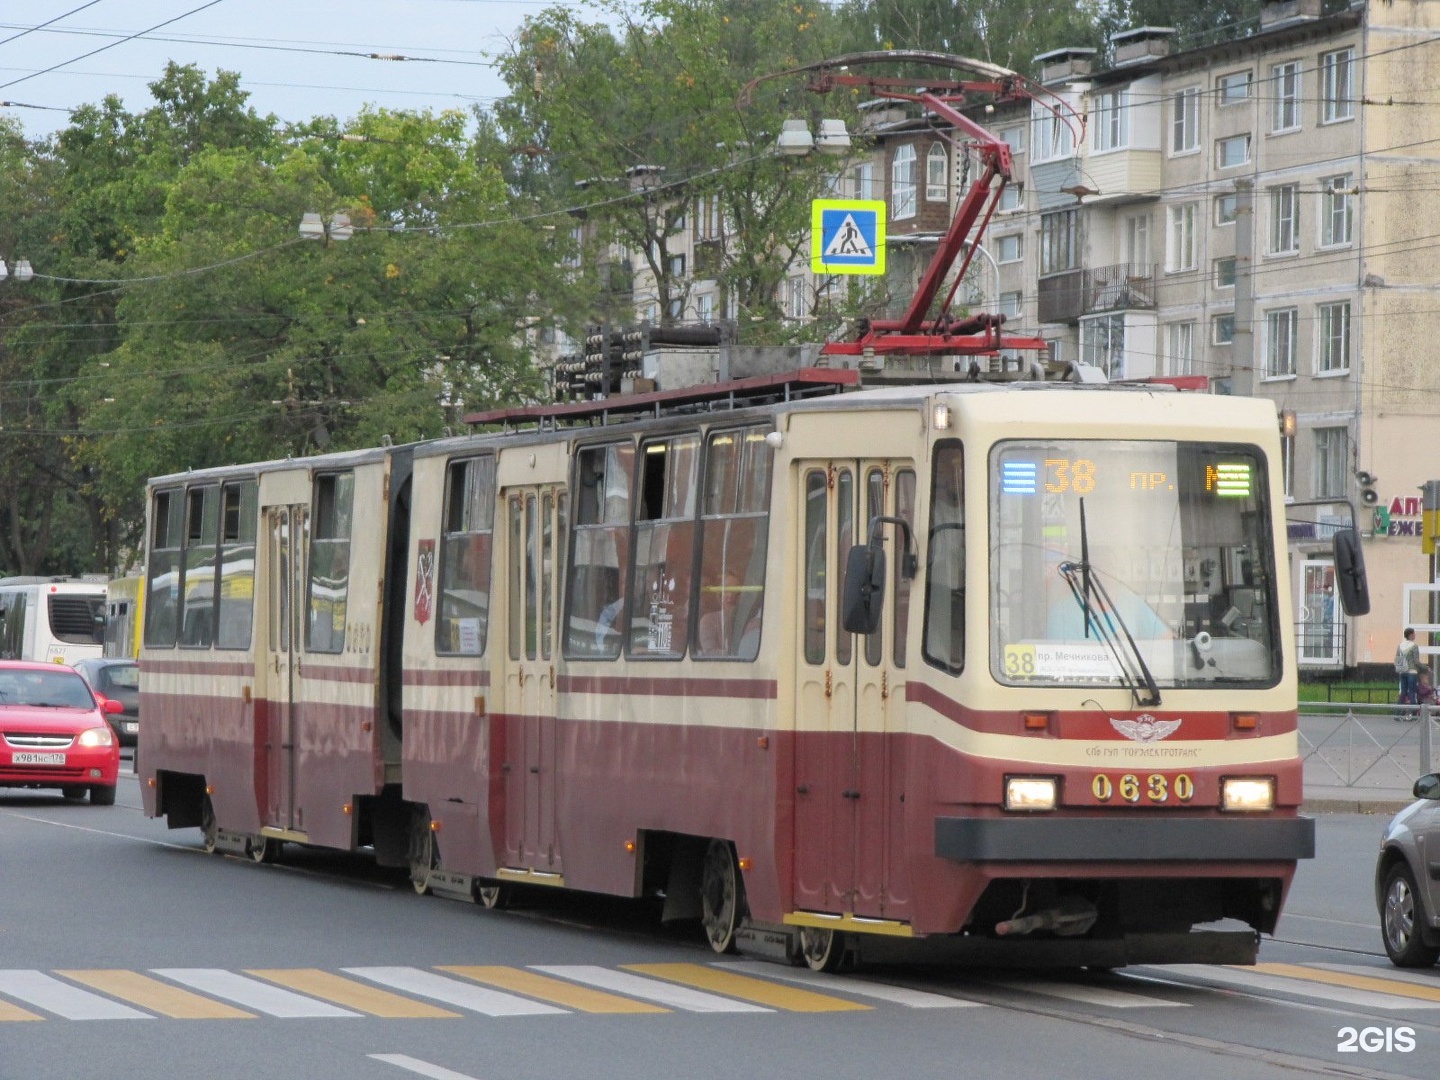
{"x":1333,"y":337}
{"x":1137,"y":241}
{"x":1336,"y":102}
{"x":1010,"y":248}
{"x":1012,"y":197}
{"x":707,"y":218}
{"x":1102,"y":344}
{"x":1285,"y":105}
{"x":1110,"y":120}
{"x":1225,"y":272}
{"x":1015,"y":136}
{"x":1010,"y":304}
{"x":1234,"y":88}
{"x":902,"y":183}
{"x":1284,"y":219}
{"x":795,"y":297}
{"x":1053,"y":137}
{"x":1337,"y":211}
{"x":1227,"y":209}
{"x":937,"y":174}
{"x":1185,"y":121}
{"x":1059,"y":241}
{"x":1232,"y":152}
{"x":1180,"y":253}
{"x":1332,"y":456}
{"x":1222,"y":329}
{"x":864,"y":176}
{"x":1280,"y":343}
{"x":1180,"y":348}
{"x":705,"y":307}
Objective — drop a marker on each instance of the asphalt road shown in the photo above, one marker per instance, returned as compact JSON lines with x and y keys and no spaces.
{"x":125,"y":951}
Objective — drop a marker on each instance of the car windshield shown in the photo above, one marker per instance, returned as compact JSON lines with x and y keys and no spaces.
{"x":52,"y":689}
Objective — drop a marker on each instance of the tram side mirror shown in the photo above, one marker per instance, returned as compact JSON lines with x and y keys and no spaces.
{"x":1350,"y":572}
{"x":864,"y":593}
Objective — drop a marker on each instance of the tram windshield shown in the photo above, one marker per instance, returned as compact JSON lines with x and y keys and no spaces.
{"x":1113,"y":560}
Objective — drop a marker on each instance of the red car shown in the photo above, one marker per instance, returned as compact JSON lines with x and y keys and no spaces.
{"x":53,"y":733}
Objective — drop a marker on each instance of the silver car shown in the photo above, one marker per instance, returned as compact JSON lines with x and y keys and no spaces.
{"x":1407,"y":879}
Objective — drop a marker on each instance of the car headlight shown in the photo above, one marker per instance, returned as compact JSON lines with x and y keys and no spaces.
{"x":1029,"y":793}
{"x":1244,"y":793}
{"x":97,"y":736}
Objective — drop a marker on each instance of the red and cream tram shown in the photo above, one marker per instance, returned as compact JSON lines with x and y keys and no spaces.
{"x":615,"y":658}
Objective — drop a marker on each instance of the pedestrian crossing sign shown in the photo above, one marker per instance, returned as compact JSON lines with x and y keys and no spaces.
{"x":847,"y":236}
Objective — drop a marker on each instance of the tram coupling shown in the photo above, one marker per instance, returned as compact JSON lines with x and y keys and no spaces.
{"x":1070,"y":917}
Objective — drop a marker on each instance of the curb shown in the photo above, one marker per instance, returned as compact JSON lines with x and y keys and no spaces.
{"x":1354,"y":806}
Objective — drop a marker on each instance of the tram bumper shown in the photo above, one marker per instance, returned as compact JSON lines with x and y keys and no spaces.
{"x":1142,"y":840}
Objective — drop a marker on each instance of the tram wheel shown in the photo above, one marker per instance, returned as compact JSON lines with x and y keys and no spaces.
{"x":262,"y":849}
{"x":424,"y":852}
{"x":822,"y":948}
{"x":209,"y":827}
{"x":494,"y":895}
{"x":722,"y":896}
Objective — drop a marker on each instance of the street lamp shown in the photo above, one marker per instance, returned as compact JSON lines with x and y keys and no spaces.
{"x":796,"y":141}
{"x":335,"y":227}
{"x":23,"y":270}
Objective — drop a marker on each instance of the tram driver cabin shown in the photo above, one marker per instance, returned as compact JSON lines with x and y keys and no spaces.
{"x":620,"y":657}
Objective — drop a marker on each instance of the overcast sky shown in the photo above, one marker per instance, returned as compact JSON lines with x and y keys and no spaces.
{"x":296,"y":58}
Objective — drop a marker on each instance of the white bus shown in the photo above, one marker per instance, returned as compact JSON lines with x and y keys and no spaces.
{"x":57,"y":620}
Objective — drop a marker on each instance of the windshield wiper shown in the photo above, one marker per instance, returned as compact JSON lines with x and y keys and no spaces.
{"x":1107,"y":623}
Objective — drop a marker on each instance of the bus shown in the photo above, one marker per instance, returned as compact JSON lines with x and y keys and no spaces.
{"x":124,"y":598}
{"x":994,"y":667}
{"x":57,"y":620}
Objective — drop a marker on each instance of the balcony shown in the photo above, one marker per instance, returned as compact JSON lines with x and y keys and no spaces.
{"x":1067,"y":296}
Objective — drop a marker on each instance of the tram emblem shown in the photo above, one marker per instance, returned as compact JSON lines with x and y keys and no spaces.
{"x":1145,"y":728}
{"x":425,"y":582}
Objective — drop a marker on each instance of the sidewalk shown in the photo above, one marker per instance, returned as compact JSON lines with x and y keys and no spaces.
{"x":1338,"y":799}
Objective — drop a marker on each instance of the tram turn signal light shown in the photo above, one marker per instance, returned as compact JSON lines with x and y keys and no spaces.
{"x":1036,"y":721}
{"x":1030,"y":793}
{"x":630,"y":846}
{"x":745,"y":862}
{"x":1247,"y":793}
{"x":1245,"y":721}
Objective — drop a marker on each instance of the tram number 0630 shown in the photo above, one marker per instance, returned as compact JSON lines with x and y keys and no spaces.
{"x":1154,"y":788}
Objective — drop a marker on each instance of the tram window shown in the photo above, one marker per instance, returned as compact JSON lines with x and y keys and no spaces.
{"x":466,"y":549}
{"x":905,"y":510}
{"x":515,"y":604}
{"x":816,"y":508}
{"x":162,"y":574}
{"x":202,"y":520}
{"x":845,"y":530}
{"x":547,"y":573}
{"x":875,"y":506}
{"x":734,"y":528}
{"x":237,"y":565}
{"x":665,"y":534}
{"x":329,"y":563}
{"x":945,"y":561}
{"x":600,"y":556}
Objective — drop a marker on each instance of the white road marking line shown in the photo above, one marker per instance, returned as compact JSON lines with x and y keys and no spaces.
{"x":465,"y":995}
{"x":900,"y":995}
{"x":49,"y":993}
{"x":424,"y":1068}
{"x":1254,"y":980}
{"x":1092,"y":995}
{"x":646,"y":989}
{"x":251,"y":993}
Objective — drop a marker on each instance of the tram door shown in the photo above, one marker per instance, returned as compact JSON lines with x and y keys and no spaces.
{"x":534,"y":524}
{"x":850,"y":748}
{"x":287,"y":531}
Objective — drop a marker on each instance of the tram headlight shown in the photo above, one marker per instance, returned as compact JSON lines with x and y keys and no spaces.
{"x":1030,"y":793}
{"x":1244,"y":793}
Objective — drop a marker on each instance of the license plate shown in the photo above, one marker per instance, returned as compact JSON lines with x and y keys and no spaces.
{"x":23,"y":757}
{"x":131,"y":727}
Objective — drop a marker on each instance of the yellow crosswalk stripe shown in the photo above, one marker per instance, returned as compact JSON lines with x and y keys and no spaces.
{"x":746,"y":988}
{"x":14,"y":1012}
{"x":351,"y":994}
{"x":555,"y":991}
{"x":157,"y":996}
{"x":1354,"y":982}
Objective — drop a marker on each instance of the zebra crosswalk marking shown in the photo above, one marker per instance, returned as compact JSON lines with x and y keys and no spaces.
{"x":556,"y":991}
{"x":351,"y":994}
{"x":638,"y":986}
{"x":453,"y":992}
{"x":897,"y":995}
{"x":10,"y":1012}
{"x":152,"y":994}
{"x":1246,"y":979}
{"x":1092,"y":995}
{"x":50,"y":994}
{"x":252,"y":993}
{"x":1354,"y":981}
{"x":760,"y":991}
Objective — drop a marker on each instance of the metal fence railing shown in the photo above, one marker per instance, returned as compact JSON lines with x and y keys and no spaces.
{"x":1364,"y":746}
